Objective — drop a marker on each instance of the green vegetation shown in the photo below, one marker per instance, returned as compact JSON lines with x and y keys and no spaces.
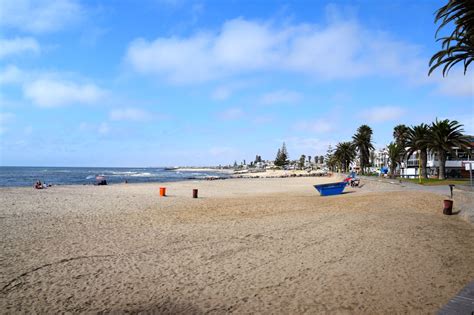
{"x":417,"y":141}
{"x":400,"y":134}
{"x":436,"y":181}
{"x":395,"y":152}
{"x":442,"y":137}
{"x":282,"y":156}
{"x":362,"y":140}
{"x":301,"y":161}
{"x":459,"y":45}
{"x":345,"y":153}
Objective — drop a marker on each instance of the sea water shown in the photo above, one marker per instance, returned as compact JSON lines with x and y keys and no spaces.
{"x":13,"y":176}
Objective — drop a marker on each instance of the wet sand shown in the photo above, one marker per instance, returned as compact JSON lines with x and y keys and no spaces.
{"x":246,"y":245}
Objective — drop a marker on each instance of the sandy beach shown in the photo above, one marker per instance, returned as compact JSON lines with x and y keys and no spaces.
{"x":267,"y":245}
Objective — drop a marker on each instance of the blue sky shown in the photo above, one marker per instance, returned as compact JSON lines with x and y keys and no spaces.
{"x":176,"y":82}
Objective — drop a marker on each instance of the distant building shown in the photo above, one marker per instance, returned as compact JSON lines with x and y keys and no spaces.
{"x":381,"y":158}
{"x":455,"y":163}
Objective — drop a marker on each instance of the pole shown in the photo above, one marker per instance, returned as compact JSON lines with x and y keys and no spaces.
{"x":419,"y":167}
{"x":470,"y":172}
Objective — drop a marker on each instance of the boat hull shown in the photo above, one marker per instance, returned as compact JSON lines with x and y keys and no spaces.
{"x":331,"y":188}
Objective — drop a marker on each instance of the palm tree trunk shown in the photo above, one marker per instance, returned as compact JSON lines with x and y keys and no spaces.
{"x":424,"y":159}
{"x":442,"y":164}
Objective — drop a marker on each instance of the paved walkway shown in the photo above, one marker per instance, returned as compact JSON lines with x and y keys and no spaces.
{"x":463,"y":303}
{"x":439,"y":189}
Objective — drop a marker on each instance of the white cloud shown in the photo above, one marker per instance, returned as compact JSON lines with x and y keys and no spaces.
{"x":226,"y":90}
{"x":39,"y":16}
{"x":314,"y":126}
{"x":231,"y":113}
{"x":56,"y":93}
{"x":11,"y":75}
{"x":49,"y":89}
{"x":382,"y":114}
{"x":336,"y":50}
{"x":6,"y":118}
{"x":280,"y":97}
{"x":455,"y":84}
{"x":130,"y":114}
{"x":221,"y":93}
{"x":18,"y":45}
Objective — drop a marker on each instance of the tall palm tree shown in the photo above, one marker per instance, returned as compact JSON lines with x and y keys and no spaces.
{"x":395,"y":152}
{"x":417,"y":140}
{"x":345,"y":153}
{"x":443,"y":136}
{"x":363,"y":142}
{"x":400,"y":134}
{"x":459,"y":45}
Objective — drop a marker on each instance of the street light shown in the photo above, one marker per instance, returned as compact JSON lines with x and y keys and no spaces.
{"x":419,"y":166}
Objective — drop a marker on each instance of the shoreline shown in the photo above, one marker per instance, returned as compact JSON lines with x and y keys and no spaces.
{"x":274,"y":174}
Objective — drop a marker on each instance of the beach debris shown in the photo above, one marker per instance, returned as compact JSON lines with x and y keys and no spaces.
{"x":448,"y":207}
{"x":162,"y":191}
{"x":195,"y":193}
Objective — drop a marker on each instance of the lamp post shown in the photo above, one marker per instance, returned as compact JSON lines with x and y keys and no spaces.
{"x":419,"y":166}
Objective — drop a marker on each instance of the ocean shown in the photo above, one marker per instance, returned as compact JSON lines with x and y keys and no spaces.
{"x":13,"y":176}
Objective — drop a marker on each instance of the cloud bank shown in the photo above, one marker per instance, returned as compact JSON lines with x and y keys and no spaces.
{"x":56,"y":93}
{"x":338,"y":50}
{"x":39,"y":16}
{"x":18,"y":45}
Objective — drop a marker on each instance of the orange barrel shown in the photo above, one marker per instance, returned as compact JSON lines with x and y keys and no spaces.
{"x":162,"y":191}
{"x":195,"y":193}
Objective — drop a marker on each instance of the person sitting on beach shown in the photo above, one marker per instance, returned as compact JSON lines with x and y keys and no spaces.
{"x":39,"y":185}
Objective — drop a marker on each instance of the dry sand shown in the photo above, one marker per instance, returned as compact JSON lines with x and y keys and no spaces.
{"x":245,"y":246}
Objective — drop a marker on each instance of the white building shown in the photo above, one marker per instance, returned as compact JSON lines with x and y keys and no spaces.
{"x":381,"y":158}
{"x":455,"y":163}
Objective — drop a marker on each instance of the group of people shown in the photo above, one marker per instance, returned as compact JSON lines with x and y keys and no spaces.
{"x":40,"y":185}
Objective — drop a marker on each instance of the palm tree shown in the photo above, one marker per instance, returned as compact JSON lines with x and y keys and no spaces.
{"x":331,"y":162}
{"x":400,"y":134}
{"x":363,"y":142}
{"x":345,"y":153}
{"x":395,"y":152}
{"x":459,"y":46}
{"x":443,"y":136}
{"x":418,"y":141}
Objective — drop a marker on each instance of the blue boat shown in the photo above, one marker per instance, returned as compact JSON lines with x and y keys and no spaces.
{"x":331,"y":188}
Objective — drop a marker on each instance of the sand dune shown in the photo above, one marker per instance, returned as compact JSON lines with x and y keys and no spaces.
{"x":245,"y":246}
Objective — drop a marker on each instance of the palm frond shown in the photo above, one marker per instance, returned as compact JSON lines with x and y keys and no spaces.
{"x":459,"y":45}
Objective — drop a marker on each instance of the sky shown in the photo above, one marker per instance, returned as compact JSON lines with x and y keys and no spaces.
{"x":178,"y":82}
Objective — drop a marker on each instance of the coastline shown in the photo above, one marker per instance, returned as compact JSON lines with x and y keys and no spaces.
{"x":202,"y":169}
